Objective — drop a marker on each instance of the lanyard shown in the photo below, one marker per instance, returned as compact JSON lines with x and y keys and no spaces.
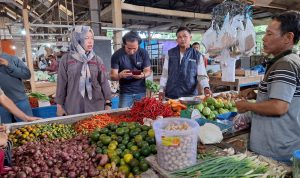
{"x":276,"y":58}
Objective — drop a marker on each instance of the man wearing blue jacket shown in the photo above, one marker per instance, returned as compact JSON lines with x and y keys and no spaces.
{"x":183,"y":69}
{"x":12,"y":73}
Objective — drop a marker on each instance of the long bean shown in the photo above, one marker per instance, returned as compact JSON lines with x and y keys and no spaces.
{"x":230,"y":166}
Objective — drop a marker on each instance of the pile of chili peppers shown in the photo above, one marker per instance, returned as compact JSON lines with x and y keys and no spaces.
{"x":150,"y":108}
{"x":100,"y":121}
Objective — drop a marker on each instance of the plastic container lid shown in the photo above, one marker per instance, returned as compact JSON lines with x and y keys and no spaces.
{"x":297,"y":154}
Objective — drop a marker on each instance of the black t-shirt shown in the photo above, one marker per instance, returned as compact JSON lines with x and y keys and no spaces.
{"x":121,"y":61}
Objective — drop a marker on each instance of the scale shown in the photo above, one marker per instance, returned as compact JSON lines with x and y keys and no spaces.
{"x":190,"y":112}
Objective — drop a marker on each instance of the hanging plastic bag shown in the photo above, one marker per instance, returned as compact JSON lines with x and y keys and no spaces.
{"x":249,"y":36}
{"x":228,"y":33}
{"x":227,"y":66}
{"x":209,"y":40}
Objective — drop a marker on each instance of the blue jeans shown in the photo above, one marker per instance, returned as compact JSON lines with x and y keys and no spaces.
{"x":7,"y":117}
{"x":127,"y":100}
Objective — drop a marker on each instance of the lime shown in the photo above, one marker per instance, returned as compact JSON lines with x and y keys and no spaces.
{"x":99,"y":150}
{"x":120,"y":131}
{"x":119,"y":139}
{"x":95,"y":136}
{"x":123,"y":124}
{"x":138,"y":138}
{"x":134,"y":162}
{"x":153,"y":149}
{"x":114,"y":142}
{"x":134,"y":148}
{"x":136,"y":171}
{"x":115,"y":159}
{"x":128,"y":157}
{"x":151,"y":133}
{"x":114,"y":136}
{"x":122,"y":146}
{"x":105,"y":140}
{"x":112,"y":146}
{"x":136,"y":154}
{"x":145,"y":151}
{"x":150,"y":140}
{"x":104,"y":131}
{"x":145,"y":127}
{"x":130,"y":144}
{"x":122,"y":162}
{"x":143,"y":166}
{"x":111,"y":153}
{"x":119,"y":151}
{"x":124,"y":169}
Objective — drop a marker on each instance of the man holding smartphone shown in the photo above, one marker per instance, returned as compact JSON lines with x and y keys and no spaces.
{"x":130,"y":65}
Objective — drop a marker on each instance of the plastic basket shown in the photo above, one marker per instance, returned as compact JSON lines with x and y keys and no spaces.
{"x":45,"y":112}
{"x":176,"y":149}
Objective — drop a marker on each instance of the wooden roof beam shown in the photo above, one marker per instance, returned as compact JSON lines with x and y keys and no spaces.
{"x":164,"y":12}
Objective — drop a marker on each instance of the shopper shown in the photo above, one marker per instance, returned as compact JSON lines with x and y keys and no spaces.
{"x":82,"y":81}
{"x":275,"y":127}
{"x":196,"y":46}
{"x":130,"y":65}
{"x":13,"y":109}
{"x":183,"y":68}
{"x":53,"y":67}
{"x":12,"y":73}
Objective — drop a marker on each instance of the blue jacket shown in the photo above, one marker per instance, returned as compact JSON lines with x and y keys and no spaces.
{"x":182,"y":78}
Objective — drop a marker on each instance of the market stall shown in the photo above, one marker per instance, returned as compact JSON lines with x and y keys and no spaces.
{"x":102,"y":134}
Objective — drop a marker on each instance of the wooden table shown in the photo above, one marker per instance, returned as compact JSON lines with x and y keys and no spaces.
{"x":45,"y":87}
{"x":237,"y":84}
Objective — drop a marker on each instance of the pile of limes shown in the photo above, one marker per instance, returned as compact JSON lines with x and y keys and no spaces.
{"x":39,"y":132}
{"x":126,"y":144}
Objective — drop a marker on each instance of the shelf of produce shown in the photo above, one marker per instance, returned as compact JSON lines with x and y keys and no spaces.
{"x":47,"y":88}
{"x":66,"y":119}
{"x":238,"y":83}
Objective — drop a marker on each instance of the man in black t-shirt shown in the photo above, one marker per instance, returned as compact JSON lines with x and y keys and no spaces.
{"x":130,"y":65}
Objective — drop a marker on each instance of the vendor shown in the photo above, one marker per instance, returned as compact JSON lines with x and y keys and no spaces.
{"x":82,"y":81}
{"x":275,"y":127}
{"x":183,"y":69}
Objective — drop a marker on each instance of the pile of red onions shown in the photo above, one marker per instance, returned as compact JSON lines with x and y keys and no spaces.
{"x":58,"y":158}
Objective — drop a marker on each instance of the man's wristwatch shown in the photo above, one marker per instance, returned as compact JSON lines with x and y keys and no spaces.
{"x":108,"y":104}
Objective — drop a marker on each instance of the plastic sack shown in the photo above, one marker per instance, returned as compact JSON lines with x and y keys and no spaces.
{"x":241,"y":122}
{"x":249,"y":37}
{"x":227,"y":66}
{"x":227,"y":36}
{"x":209,"y":39}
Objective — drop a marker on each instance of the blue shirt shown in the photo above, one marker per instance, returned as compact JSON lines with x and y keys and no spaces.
{"x":139,"y":61}
{"x":12,"y":76}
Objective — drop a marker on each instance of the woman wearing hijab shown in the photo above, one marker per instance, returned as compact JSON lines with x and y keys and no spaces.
{"x":82,"y":83}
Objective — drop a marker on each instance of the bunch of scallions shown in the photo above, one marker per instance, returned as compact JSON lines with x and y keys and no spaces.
{"x":233,"y":166}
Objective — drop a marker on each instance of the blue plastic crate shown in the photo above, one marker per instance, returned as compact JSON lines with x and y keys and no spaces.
{"x":115,"y":102}
{"x":45,"y":112}
{"x":223,"y":127}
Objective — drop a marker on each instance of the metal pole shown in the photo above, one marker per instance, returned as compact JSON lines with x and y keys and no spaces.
{"x":59,"y":15}
{"x":73,"y":13}
{"x":66,"y":5}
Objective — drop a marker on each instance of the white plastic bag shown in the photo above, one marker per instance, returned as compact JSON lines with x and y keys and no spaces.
{"x":209,"y":40}
{"x":227,"y":66}
{"x":249,"y":37}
